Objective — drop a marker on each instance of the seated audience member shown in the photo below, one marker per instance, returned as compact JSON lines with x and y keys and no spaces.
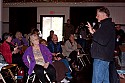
{"x":69,"y":46}
{"x":43,"y":41}
{"x":8,"y":49}
{"x":68,"y":29}
{"x":70,"y":50}
{"x":20,"y":41}
{"x":50,"y":36}
{"x":55,"y":48}
{"x":40,"y":60}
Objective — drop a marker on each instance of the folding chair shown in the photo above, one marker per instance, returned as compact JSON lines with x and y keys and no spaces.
{"x":8,"y":71}
{"x":32,"y":76}
{"x":4,"y":67}
{"x":1,"y":77}
{"x":82,"y":54}
{"x":80,"y":57}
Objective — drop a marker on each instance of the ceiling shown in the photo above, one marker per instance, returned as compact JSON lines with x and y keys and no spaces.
{"x":23,"y":1}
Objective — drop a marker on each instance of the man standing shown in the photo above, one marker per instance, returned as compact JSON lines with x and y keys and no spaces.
{"x":102,"y":46}
{"x":68,"y":29}
{"x":120,"y":34}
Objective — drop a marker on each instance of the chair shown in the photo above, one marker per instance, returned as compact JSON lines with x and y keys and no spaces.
{"x":4,"y":67}
{"x":86,"y":55}
{"x":7,"y":69}
{"x":81,"y":54}
{"x":1,"y":77}
{"x":33,"y":75}
{"x":80,"y":57}
{"x":81,"y":60}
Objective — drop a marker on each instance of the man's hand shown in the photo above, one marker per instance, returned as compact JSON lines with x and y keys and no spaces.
{"x":91,"y":30}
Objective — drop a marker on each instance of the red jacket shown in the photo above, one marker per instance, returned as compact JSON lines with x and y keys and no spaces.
{"x":6,"y":52}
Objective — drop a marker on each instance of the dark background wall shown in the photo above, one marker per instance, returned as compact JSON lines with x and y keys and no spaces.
{"x":22,"y":19}
{"x":82,"y":14}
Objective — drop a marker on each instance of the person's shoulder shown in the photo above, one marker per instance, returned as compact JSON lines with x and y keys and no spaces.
{"x":50,"y":43}
{"x":41,"y":45}
{"x":67,"y":42}
{"x":75,"y":42}
{"x":4,"y":43}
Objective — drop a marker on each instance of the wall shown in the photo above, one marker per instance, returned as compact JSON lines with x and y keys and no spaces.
{"x":5,"y":20}
{"x":116,"y":9}
{"x":118,"y":14}
{"x":52,"y":11}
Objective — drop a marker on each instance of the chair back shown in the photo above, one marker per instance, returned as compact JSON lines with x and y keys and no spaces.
{"x":2,"y":60}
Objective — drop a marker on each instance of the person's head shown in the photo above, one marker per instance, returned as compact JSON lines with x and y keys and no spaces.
{"x":34,"y":39}
{"x":68,"y":21}
{"x":43,"y":41}
{"x":51,"y":33}
{"x":102,"y":13}
{"x":81,"y":24}
{"x":54,"y":38}
{"x":60,"y":56}
{"x":7,"y":37}
{"x":36,"y":31}
{"x":71,"y":37}
{"x":18,"y":35}
{"x":118,"y":27}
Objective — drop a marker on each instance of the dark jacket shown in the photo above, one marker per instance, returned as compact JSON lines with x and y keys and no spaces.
{"x":104,"y":41}
{"x":55,"y":48}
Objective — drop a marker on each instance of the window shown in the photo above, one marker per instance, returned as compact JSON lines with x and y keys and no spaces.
{"x":54,"y":23}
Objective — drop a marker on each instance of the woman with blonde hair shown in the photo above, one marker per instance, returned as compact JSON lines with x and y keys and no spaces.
{"x":20,"y":41}
{"x":40,"y":60}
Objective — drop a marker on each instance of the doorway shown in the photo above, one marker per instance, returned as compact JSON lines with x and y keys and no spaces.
{"x":52,"y":22}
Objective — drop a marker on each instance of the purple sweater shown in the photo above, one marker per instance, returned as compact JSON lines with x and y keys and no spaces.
{"x":29,"y":53}
{"x":19,"y":42}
